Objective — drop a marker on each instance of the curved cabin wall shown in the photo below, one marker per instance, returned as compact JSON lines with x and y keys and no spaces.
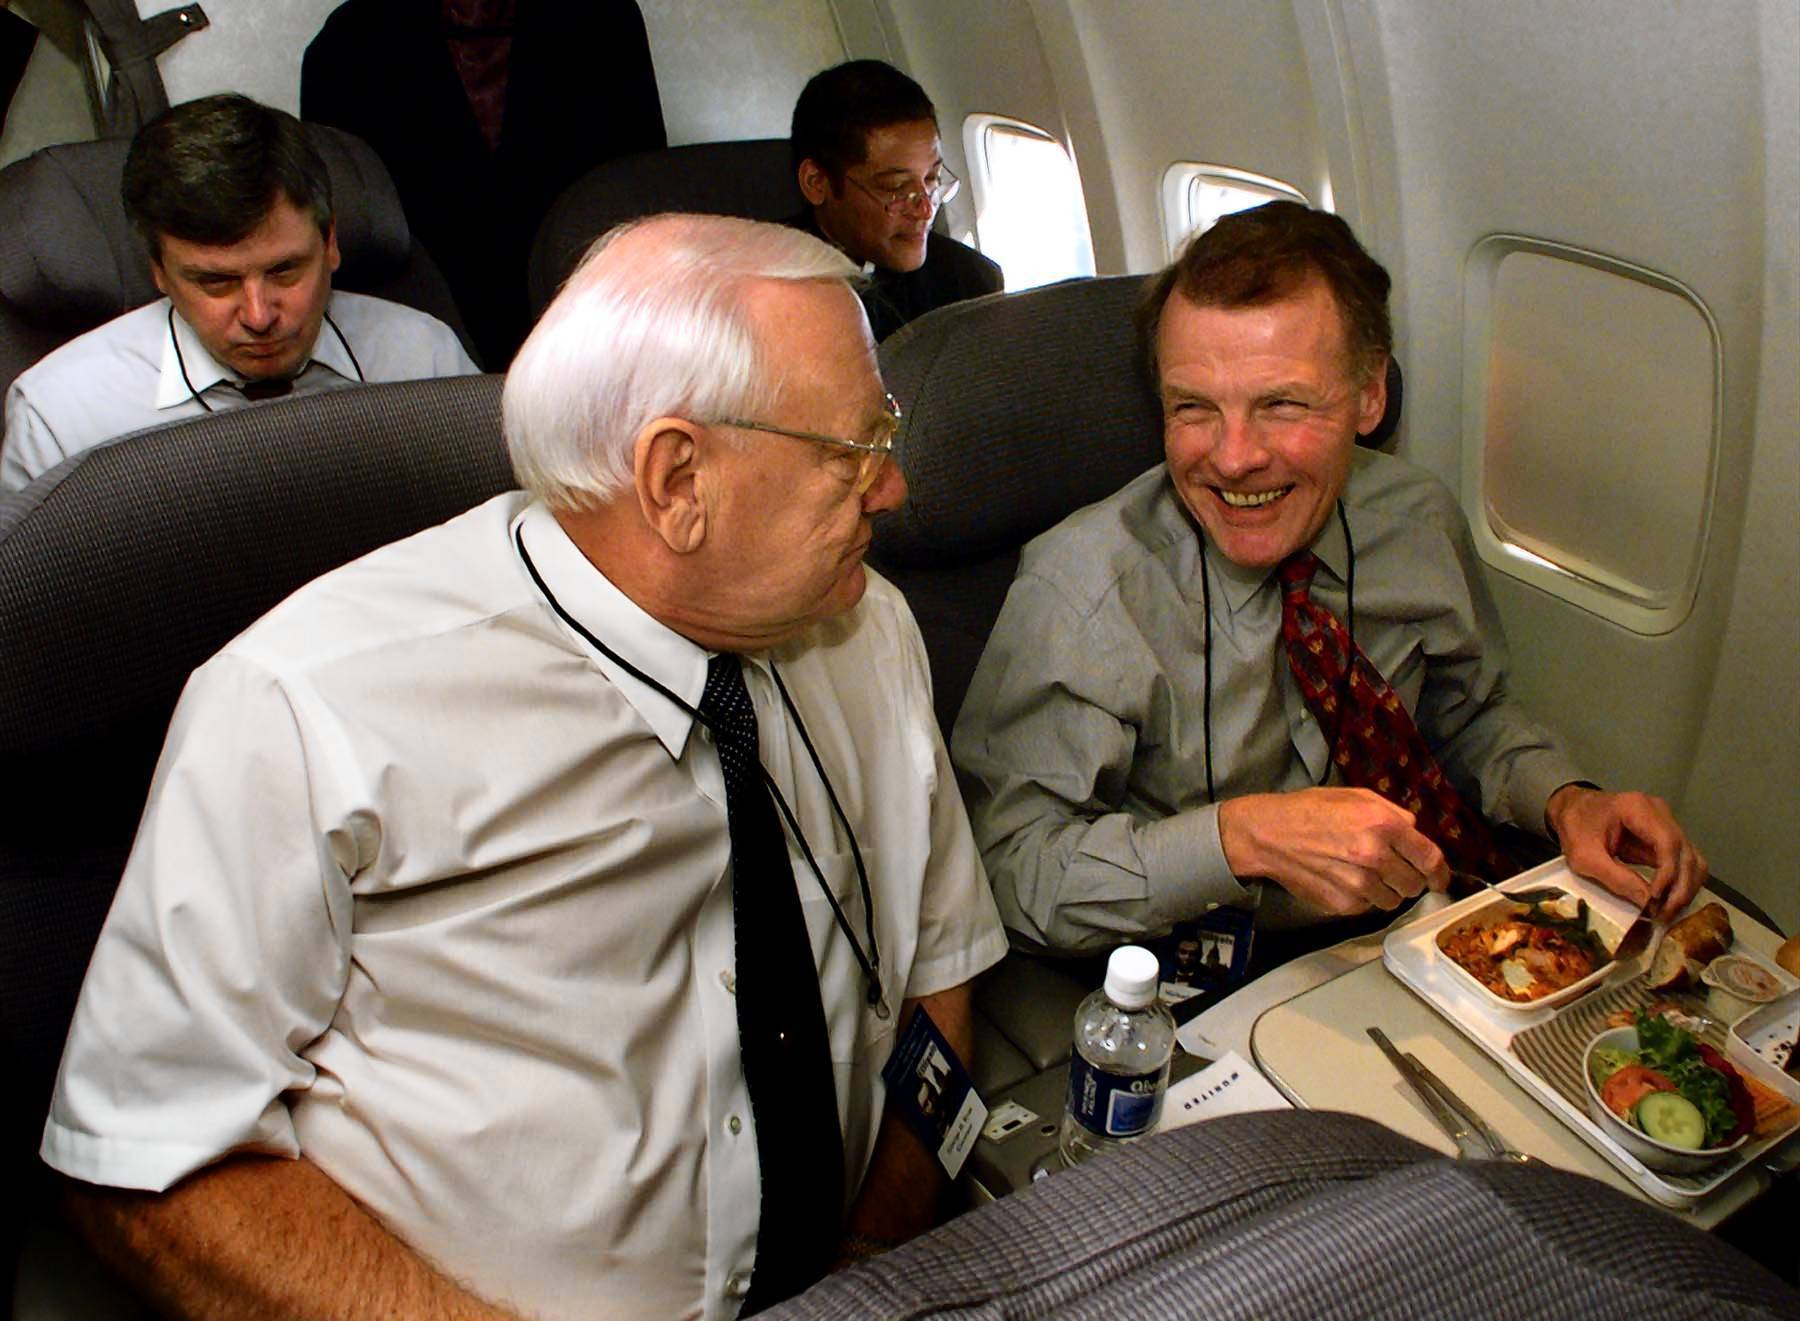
{"x":1663,"y":141}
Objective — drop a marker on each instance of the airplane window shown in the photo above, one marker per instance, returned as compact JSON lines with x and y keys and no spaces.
{"x":1029,"y":211}
{"x":1194,"y":196}
{"x":1592,"y":413}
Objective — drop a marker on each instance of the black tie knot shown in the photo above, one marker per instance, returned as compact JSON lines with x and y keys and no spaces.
{"x":257,"y":391}
{"x":727,"y":707}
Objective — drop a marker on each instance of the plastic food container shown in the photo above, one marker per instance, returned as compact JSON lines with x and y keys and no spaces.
{"x":1762,"y":1042}
{"x":1736,"y":984}
{"x":1501,"y":911}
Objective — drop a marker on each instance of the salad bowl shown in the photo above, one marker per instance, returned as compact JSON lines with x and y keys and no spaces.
{"x":1601,"y":1057}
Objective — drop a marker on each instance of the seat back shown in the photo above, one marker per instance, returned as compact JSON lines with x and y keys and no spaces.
{"x":1019,"y":411}
{"x":123,"y":569}
{"x":70,"y":259}
{"x":753,"y":179}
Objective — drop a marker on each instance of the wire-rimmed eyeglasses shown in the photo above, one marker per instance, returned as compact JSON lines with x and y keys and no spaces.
{"x":873,"y":453}
{"x":909,"y":196}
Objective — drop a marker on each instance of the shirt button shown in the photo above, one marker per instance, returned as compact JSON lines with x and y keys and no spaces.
{"x":735,"y":1124}
{"x":728,"y":980}
{"x":737,"y":1286}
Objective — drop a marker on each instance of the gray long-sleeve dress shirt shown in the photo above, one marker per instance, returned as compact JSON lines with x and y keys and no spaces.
{"x":1082,"y":742}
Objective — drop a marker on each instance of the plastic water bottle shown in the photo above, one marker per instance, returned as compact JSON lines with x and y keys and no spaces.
{"x":1119,"y":1071}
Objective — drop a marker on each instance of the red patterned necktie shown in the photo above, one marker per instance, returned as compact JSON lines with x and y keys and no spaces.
{"x":1373,"y":740}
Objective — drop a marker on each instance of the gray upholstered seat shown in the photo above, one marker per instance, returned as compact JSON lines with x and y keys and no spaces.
{"x":752,"y":178}
{"x":1019,"y":411}
{"x":120,"y":571}
{"x":70,"y":260}
{"x":1304,"y":1214}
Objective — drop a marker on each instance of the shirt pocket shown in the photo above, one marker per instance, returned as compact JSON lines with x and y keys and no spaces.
{"x":855,"y":1027}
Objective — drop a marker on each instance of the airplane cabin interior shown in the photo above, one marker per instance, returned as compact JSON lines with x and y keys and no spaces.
{"x":1591,"y":216}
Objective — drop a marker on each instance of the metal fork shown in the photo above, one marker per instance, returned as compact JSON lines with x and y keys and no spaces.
{"x":1467,"y":1129}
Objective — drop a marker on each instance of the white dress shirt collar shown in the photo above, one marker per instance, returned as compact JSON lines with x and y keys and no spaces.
{"x":618,"y":621}
{"x":205,"y":371}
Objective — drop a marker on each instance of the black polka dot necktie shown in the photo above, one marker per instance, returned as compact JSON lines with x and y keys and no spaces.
{"x":781,"y":1020}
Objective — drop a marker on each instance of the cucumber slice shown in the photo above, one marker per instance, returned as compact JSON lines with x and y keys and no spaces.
{"x":1671,"y":1118}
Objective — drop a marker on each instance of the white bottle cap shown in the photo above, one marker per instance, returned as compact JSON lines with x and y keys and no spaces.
{"x":1131,"y":976}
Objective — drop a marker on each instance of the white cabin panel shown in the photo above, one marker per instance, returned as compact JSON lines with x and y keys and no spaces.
{"x":1660,"y":139}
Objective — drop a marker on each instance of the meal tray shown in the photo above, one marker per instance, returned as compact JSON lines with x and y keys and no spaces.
{"x":1555,"y":1051}
{"x":1552,"y":1075}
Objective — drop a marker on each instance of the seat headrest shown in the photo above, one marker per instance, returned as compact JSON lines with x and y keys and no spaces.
{"x":753,"y":179}
{"x":70,"y":260}
{"x":1021,"y":409}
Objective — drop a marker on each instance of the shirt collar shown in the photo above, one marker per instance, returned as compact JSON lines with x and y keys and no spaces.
{"x":205,"y":371}
{"x":618,"y":621}
{"x":1238,"y":584}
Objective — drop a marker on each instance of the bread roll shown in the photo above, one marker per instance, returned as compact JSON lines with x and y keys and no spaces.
{"x":1689,"y":946}
{"x":1788,"y":956}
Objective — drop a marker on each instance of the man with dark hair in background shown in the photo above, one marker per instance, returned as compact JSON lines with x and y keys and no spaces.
{"x":234,"y":206}
{"x":1268,"y":673}
{"x":867,"y":158}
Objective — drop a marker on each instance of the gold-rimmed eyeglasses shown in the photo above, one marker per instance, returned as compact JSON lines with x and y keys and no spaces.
{"x":909,"y":196}
{"x":873,"y":453}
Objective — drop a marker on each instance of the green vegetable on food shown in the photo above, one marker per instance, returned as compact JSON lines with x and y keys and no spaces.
{"x":1671,"y":1118}
{"x":1673,"y":1051}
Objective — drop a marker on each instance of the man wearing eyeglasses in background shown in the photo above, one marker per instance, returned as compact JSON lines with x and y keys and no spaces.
{"x":867,"y":157}
{"x":525,"y":912}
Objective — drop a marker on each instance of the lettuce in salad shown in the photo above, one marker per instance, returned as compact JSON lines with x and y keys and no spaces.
{"x":1698,"y":1072}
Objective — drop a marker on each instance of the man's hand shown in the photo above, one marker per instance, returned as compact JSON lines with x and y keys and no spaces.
{"x":1602,"y":832}
{"x":902,"y":1190}
{"x":1342,"y":850}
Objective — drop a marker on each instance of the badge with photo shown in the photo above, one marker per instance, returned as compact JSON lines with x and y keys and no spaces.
{"x":1205,"y":959}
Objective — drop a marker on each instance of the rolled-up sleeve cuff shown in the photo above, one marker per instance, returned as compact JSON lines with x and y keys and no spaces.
{"x":952,"y":970}
{"x":1184,"y":862}
{"x":147,"y":1166}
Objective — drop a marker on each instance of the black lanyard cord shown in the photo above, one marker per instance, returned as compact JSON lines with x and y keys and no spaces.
{"x":1343,"y":683}
{"x":870,"y":963}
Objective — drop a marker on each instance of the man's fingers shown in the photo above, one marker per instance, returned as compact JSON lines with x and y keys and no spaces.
{"x":1597,"y":864}
{"x":1425,"y":860}
{"x":1689,"y":875}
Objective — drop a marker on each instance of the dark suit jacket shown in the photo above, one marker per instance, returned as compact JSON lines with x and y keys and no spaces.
{"x":952,"y":272}
{"x":580,"y":89}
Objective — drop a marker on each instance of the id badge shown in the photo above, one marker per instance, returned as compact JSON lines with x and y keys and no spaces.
{"x":934,"y":1093}
{"x":1206,"y":958}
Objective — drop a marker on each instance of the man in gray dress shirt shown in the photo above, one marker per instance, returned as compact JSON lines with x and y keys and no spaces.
{"x":1139,"y":656}
{"x":234,"y":206}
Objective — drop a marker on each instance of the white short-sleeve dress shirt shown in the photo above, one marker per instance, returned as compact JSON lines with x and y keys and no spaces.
{"x":147,"y":368}
{"x":433,"y":893}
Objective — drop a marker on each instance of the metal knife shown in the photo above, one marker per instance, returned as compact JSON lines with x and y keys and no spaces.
{"x":1469,"y":1143}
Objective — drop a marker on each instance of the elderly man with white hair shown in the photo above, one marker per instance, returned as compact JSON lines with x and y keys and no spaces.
{"x":523,"y":913}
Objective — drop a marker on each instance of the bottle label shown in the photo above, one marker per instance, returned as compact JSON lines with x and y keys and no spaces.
{"x":1114,"y":1105}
